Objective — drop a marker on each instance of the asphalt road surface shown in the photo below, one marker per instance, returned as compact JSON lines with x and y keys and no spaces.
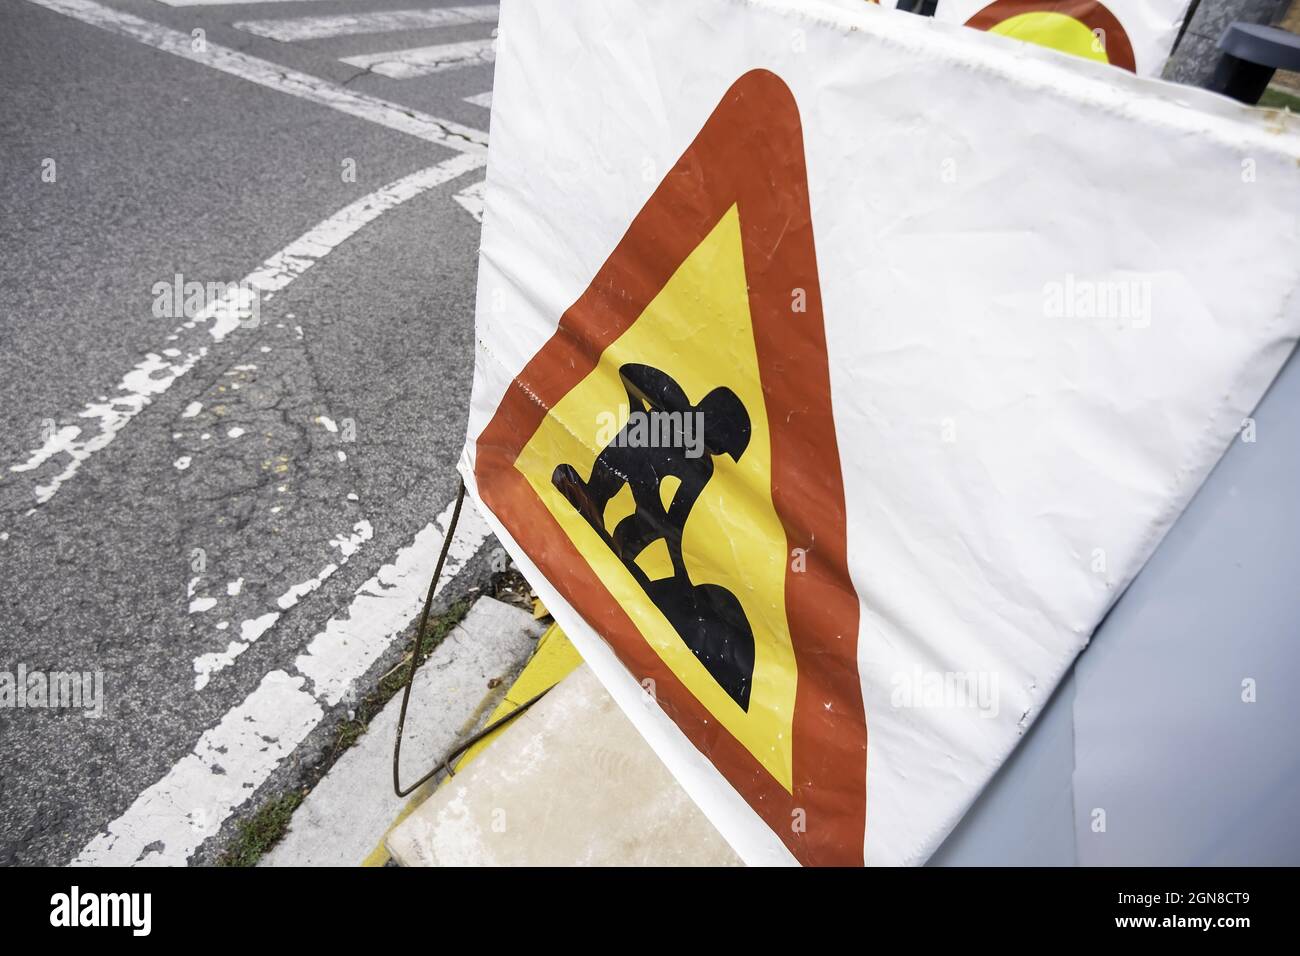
{"x":235,"y":355}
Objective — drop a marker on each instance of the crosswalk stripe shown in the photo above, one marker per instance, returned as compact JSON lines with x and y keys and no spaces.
{"x":288,"y":30}
{"x":471,"y":199}
{"x":481,"y":99}
{"x":264,"y":73}
{"x":224,"y":3}
{"x":423,"y":60}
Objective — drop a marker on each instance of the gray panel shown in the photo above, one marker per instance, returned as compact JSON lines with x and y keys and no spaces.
{"x":1186,"y":771}
{"x":1023,"y":817}
{"x":1151,"y":724}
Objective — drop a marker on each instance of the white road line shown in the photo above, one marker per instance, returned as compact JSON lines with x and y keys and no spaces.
{"x":169,"y":821}
{"x":481,"y":99}
{"x":384,"y":605}
{"x":423,"y":60}
{"x":172,"y":818}
{"x":224,"y":3}
{"x":471,"y":199}
{"x":205,"y":665}
{"x":160,"y":369}
{"x":351,"y":24}
{"x":264,"y":73}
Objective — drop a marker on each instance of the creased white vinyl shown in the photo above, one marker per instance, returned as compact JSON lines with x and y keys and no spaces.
{"x":1046,"y":295}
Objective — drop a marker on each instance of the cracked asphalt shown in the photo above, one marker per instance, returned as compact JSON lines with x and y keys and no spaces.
{"x":288,"y":465}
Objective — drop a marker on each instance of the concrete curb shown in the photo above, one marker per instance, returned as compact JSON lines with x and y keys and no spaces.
{"x":342,"y":822}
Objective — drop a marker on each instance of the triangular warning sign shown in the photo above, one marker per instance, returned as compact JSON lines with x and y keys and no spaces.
{"x":668,"y":460}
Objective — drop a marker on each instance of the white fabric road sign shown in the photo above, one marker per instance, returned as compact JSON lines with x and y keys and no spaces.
{"x":837,"y":371}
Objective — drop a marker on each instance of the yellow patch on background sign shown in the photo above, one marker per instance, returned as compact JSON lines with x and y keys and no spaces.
{"x":1056,"y":31}
{"x":1083,"y":28}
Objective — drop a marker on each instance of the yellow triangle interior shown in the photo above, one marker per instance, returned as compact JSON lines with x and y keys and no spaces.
{"x":698,"y":330}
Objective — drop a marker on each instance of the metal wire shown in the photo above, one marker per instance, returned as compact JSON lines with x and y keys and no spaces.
{"x":419,"y":644}
{"x":416,"y":660}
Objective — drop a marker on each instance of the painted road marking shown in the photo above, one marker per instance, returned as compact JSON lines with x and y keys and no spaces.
{"x":225,"y":3}
{"x":172,"y":818}
{"x":481,"y":99}
{"x":205,"y":665}
{"x":264,"y":73}
{"x":383,"y":606}
{"x":424,"y":60}
{"x":471,"y":199}
{"x":351,"y":24}
{"x":159,"y":369}
{"x":168,"y":821}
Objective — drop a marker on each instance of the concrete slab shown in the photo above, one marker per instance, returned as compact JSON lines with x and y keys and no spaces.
{"x":568,"y":783}
{"x":344,"y":819}
{"x":555,"y":659}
